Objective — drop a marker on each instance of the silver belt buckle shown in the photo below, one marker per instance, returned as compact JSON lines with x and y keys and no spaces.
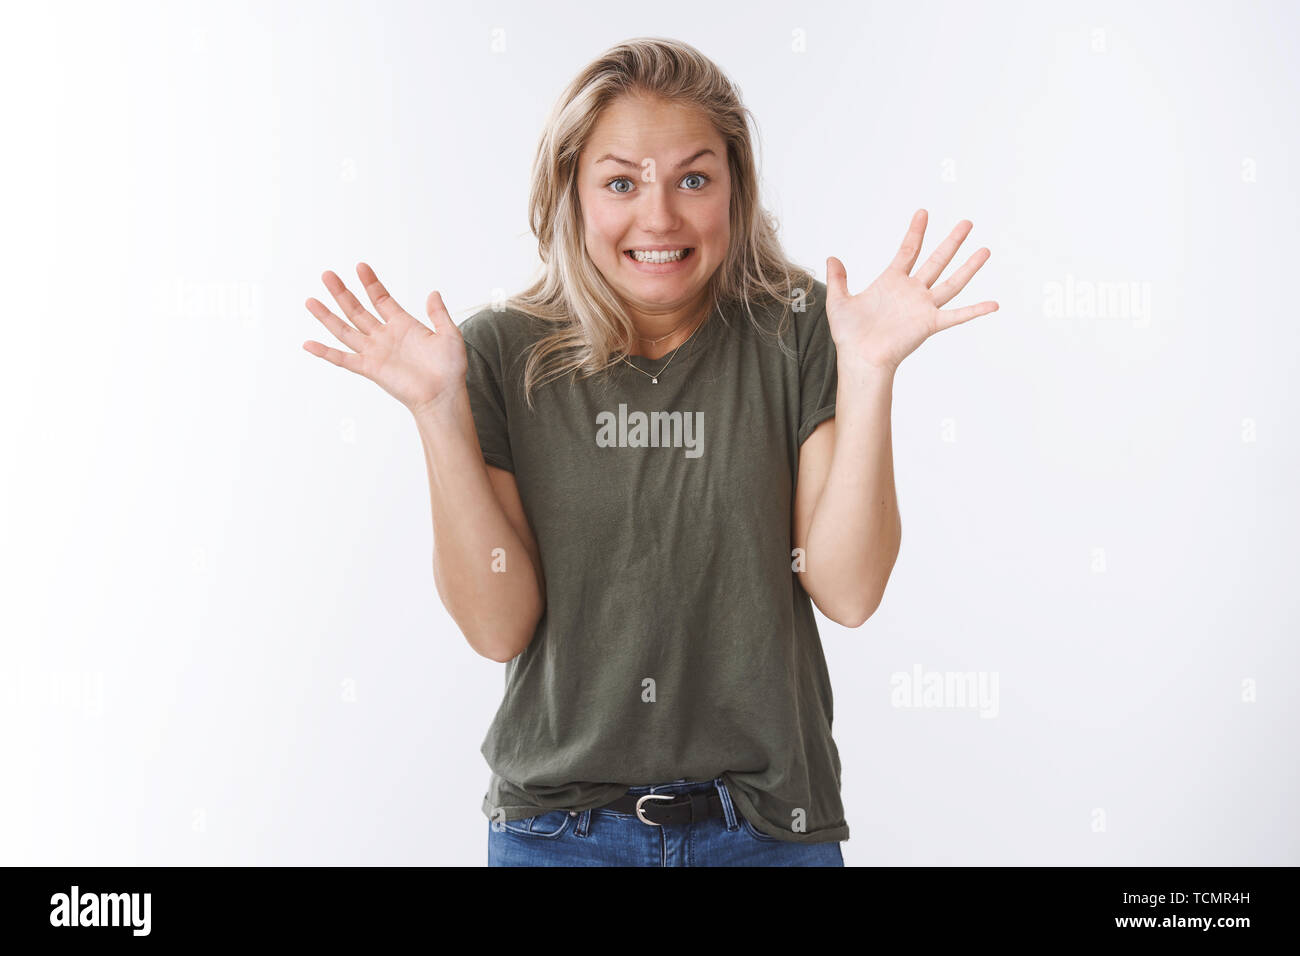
{"x":650,"y":796}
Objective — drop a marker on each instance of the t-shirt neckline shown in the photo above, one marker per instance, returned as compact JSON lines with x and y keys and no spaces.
{"x":696,"y":344}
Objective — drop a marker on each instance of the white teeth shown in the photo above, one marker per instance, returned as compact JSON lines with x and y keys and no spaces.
{"x":658,"y":257}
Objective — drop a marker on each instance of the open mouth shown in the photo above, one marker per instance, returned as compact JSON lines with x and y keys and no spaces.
{"x":659,"y":258}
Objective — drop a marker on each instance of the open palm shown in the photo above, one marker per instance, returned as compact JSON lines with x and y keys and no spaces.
{"x":887,"y":321}
{"x":414,"y":363}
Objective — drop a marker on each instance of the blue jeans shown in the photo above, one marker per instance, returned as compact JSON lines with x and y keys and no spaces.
{"x":611,"y":838}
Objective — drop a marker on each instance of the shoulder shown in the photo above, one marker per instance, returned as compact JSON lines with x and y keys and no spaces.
{"x":497,"y":325}
{"x":802,"y":324}
{"x":500,"y":333}
{"x":810,"y":320}
{"x":808,"y":307}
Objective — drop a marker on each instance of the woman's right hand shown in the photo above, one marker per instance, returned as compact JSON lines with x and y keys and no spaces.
{"x":413,"y":363}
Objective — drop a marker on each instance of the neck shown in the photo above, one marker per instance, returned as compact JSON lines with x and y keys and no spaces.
{"x":671,"y":330}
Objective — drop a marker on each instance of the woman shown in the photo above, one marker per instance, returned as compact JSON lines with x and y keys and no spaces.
{"x":639,"y":489}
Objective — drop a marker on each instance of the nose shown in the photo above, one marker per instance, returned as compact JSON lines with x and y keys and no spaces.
{"x":659,"y":211}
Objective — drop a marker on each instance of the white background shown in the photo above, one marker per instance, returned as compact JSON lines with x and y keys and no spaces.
{"x":221,"y":639}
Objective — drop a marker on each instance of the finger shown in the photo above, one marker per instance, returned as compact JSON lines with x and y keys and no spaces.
{"x":384,"y":303}
{"x":439,"y":317}
{"x":342,"y":331}
{"x":950,"y":317}
{"x":348,"y":360}
{"x":837,"y":281}
{"x":950,"y":286}
{"x":911,"y":247}
{"x":350,"y":304}
{"x":939,"y":259}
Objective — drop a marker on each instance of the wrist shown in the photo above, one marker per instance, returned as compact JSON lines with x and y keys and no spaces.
{"x":866,"y":374}
{"x":445,"y":405}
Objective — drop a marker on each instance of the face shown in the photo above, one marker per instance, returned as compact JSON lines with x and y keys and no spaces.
{"x":654,"y":176}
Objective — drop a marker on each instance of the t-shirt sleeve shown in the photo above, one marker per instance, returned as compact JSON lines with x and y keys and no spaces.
{"x":486,"y":398}
{"x":818,"y":376}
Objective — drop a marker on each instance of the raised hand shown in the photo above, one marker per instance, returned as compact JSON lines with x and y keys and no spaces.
{"x":887,"y":321}
{"x":412,"y":362}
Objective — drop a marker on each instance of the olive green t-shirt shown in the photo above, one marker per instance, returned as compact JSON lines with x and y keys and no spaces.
{"x":677,"y":642}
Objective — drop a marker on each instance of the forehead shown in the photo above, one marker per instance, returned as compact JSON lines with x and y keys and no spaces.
{"x":651,"y":127}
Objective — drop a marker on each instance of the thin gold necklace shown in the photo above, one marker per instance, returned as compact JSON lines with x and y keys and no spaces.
{"x":654,"y":379}
{"x":642,"y":338}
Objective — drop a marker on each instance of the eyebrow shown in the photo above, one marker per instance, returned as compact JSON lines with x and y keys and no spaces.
{"x":681,"y":165}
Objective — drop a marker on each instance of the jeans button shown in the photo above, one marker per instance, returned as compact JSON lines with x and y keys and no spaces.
{"x":573,"y":813}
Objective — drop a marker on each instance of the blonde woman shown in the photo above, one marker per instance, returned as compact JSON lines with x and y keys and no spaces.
{"x":639,"y":487}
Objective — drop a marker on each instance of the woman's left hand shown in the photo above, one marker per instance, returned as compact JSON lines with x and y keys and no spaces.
{"x":883,"y":324}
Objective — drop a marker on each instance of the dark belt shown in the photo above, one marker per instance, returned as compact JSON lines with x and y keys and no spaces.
{"x":658,"y":809}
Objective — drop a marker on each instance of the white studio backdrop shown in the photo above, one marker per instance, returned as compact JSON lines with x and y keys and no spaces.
{"x":221,"y":639}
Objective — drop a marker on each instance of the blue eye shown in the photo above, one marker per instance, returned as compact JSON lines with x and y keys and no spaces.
{"x":624,"y":179}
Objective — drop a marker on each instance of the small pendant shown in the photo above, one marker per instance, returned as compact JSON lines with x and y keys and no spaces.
{"x":654,"y":381}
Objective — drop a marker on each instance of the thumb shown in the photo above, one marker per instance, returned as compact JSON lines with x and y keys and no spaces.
{"x":439,"y":317}
{"x":837,"y":281}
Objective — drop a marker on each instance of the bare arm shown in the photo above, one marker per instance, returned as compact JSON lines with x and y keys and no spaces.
{"x":495,"y":596}
{"x":847,"y":511}
{"x":486,"y":564}
{"x":846,"y":508}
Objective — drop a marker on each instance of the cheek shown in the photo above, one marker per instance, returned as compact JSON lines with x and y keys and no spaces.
{"x":719,"y":225}
{"x":604,"y":229}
